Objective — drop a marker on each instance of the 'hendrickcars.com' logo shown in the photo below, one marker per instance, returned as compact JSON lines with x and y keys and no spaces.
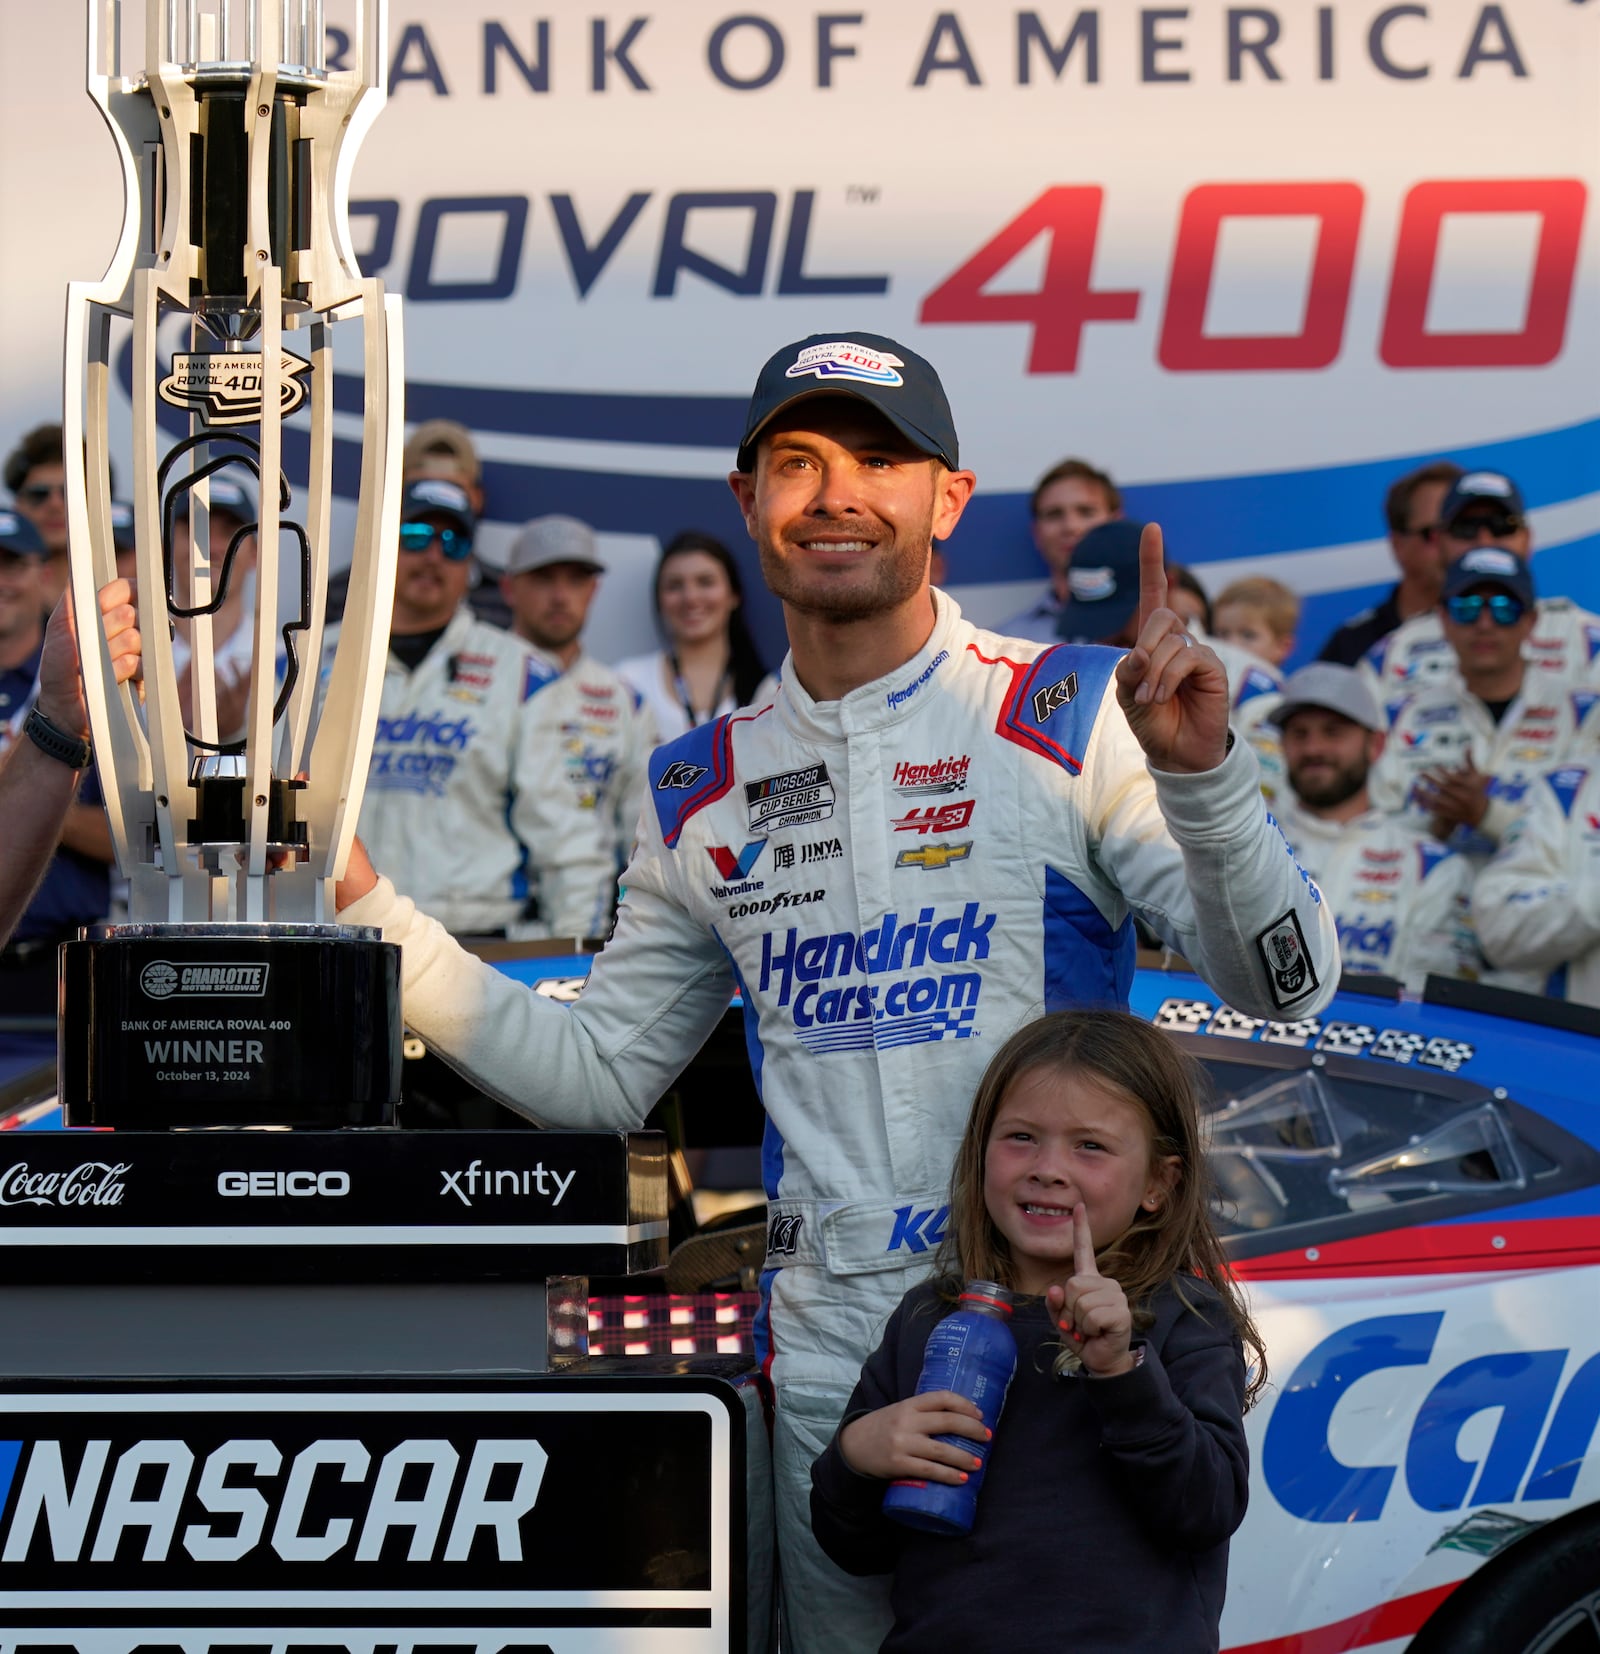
{"x":161,"y":980}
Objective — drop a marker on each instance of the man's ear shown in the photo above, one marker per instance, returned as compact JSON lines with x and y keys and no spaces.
{"x":743,"y":484}
{"x":952,"y":490}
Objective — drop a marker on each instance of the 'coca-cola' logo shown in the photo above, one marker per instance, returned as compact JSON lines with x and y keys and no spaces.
{"x":94,"y":1183}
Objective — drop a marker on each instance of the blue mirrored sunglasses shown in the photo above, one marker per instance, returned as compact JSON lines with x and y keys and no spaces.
{"x":455,"y":545}
{"x":1505,"y":609}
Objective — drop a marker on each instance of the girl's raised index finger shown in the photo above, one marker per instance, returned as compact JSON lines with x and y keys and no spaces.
{"x":1152,"y":574}
{"x":1082,"y":1242}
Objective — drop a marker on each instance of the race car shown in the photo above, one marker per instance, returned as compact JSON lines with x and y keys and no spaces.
{"x":1410,"y":1189}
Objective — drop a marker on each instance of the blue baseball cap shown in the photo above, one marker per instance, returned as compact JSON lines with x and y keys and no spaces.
{"x":1102,"y":583}
{"x":1481,"y":488}
{"x":431,"y":498}
{"x":1490,"y":566}
{"x":888,"y":376}
{"x":19,"y":536}
{"x":228,"y":499}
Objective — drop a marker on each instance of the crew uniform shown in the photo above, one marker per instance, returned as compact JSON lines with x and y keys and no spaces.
{"x":1565,"y":642}
{"x":1546,"y":724}
{"x":896,"y":880}
{"x":1538,"y":902}
{"x":1401,"y":900}
{"x":460,"y":805}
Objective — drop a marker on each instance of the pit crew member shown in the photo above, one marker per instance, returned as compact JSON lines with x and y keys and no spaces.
{"x":459,"y":794}
{"x":1401,"y":899}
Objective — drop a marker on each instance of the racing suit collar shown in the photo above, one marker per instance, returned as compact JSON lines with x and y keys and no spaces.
{"x":449,"y":642}
{"x":886,"y":700}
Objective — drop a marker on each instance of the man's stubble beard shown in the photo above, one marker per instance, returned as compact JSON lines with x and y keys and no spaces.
{"x":896,"y":579}
{"x":1346,"y":781}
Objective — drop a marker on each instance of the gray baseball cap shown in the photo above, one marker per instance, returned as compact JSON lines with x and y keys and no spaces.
{"x":1326,"y":685}
{"x":547,"y":541}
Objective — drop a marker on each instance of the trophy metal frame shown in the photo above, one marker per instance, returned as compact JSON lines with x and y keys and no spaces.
{"x":236,"y":166}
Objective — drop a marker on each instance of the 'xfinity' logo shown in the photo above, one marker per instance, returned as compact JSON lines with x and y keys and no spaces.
{"x":477,"y":1179}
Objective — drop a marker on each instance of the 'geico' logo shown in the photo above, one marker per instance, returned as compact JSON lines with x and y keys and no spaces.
{"x":266,"y":1507}
{"x":283,"y":1183}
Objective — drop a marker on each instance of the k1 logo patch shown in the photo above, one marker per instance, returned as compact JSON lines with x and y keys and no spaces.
{"x":1054,"y":697}
{"x":679,"y":776}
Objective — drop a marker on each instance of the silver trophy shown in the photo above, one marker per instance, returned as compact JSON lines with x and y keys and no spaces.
{"x":229,"y":996}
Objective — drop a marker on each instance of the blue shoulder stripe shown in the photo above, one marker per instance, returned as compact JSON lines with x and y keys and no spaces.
{"x":1054,"y":702}
{"x":689,"y":773}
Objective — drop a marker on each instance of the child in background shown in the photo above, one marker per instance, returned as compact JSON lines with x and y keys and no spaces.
{"x":1118,"y":1469}
{"x":1259,"y":615}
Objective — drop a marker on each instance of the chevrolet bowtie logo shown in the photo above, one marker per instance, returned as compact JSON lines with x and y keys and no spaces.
{"x":933,"y":855}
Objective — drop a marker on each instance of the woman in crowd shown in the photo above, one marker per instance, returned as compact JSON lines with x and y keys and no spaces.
{"x":709,"y":665}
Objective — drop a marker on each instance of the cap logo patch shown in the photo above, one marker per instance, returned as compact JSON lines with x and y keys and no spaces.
{"x":1491,"y":560}
{"x":436,"y":491}
{"x":1092,"y":585}
{"x":1483,"y":484}
{"x":842,"y":359}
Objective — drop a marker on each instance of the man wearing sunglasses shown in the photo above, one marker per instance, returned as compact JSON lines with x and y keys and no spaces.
{"x":460,"y":794}
{"x":37,"y":480}
{"x":1463,"y":749}
{"x":1484,"y":508}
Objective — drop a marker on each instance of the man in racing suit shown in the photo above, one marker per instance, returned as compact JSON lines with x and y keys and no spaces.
{"x":1537,"y":903}
{"x":929,"y":835}
{"x":1462,"y":751}
{"x":459,"y":800}
{"x":552,"y":573}
{"x":1400,"y":898}
{"x":1483,"y":508}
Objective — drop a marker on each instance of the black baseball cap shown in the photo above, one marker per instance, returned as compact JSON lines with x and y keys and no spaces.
{"x":18,"y":536}
{"x":1490,"y":566}
{"x":891,"y":377}
{"x":1102,"y":583}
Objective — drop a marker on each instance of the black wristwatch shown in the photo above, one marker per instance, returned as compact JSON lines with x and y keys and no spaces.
{"x":71,"y":750}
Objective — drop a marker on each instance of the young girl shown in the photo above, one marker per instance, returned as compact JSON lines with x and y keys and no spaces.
{"x":1118,"y":1469}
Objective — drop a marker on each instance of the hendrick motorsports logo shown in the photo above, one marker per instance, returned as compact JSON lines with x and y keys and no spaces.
{"x":226,"y":385}
{"x":162,"y":980}
{"x":817,"y":977}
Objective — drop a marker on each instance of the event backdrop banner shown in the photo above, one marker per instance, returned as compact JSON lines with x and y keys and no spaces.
{"x":1253,"y":260}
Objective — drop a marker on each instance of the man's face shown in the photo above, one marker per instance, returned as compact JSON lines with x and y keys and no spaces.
{"x":221,"y":530}
{"x":1485,"y":648}
{"x":429,"y":586}
{"x":21,"y":595}
{"x":1418,"y":547}
{"x":42,"y":499}
{"x":550,"y":605}
{"x":1068,"y":509}
{"x":1327,"y":756}
{"x":845,"y":510}
{"x":1485,"y":523}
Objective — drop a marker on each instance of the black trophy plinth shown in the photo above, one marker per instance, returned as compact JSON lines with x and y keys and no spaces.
{"x":167,"y":1026}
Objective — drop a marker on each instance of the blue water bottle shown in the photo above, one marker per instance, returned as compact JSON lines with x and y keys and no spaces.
{"x":973,"y":1353}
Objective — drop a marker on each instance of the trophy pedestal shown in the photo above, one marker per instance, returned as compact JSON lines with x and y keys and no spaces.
{"x":210,"y":1025}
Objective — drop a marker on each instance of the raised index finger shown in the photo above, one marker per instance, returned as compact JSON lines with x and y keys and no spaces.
{"x":1082,"y":1242}
{"x":1152,"y":574}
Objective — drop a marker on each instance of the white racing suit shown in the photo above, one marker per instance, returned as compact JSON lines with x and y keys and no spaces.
{"x":1255,"y":690}
{"x":1402,"y":900}
{"x":1538,"y":902}
{"x":896,"y":881}
{"x":606,"y":737}
{"x":462,"y":805}
{"x":1565,"y":640}
{"x":1548,"y":723}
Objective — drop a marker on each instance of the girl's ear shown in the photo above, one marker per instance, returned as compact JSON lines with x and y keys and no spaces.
{"x":1164,"y":1178}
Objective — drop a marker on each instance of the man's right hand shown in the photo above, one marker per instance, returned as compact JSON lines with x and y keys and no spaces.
{"x":359,"y":877}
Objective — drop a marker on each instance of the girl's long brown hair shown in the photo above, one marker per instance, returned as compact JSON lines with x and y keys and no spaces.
{"x":1143,"y":1066}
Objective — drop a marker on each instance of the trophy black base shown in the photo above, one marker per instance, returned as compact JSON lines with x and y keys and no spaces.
{"x":167,"y":1026}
